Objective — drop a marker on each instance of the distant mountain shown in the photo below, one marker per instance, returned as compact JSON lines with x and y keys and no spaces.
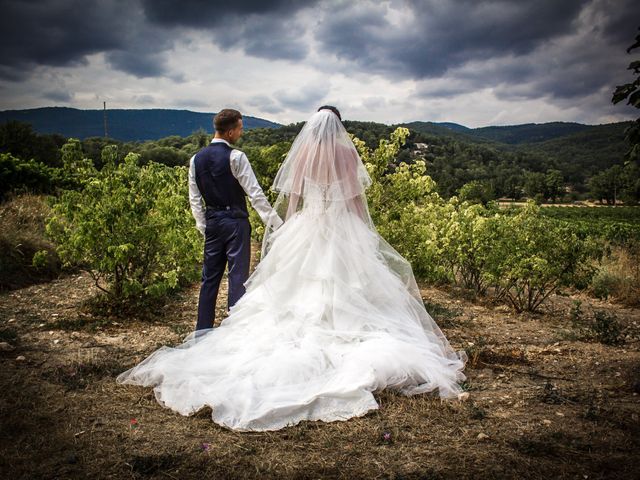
{"x":528,"y":132}
{"x":446,"y":129}
{"x":453,"y":126}
{"x":125,"y":125}
{"x":587,"y":151}
{"x":508,"y":134}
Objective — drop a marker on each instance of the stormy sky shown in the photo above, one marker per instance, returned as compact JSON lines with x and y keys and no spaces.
{"x":474,"y":62}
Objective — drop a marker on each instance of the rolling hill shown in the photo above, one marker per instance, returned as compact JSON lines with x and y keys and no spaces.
{"x":125,"y":125}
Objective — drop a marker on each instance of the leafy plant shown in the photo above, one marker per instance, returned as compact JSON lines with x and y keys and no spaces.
{"x":631,"y":93}
{"x":129,"y":226}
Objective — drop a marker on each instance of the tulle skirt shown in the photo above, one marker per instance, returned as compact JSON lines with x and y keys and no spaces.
{"x":323,"y":324}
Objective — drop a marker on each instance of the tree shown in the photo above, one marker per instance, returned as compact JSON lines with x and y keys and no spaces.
{"x":534,"y":184}
{"x":607,"y":185}
{"x":631,"y":92}
{"x":554,"y":184}
{"x":477,"y":191}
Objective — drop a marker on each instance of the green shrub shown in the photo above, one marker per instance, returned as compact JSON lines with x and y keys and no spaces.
{"x":129,"y":226}
{"x":21,"y":176}
{"x":536,"y":255}
{"x":606,"y":328}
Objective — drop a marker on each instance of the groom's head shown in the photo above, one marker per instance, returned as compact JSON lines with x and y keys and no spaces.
{"x":228,"y":124}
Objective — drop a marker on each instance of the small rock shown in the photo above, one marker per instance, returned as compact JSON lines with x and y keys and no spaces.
{"x":41,"y":325}
{"x":482,"y":436}
{"x":11,"y":320}
{"x":546,"y":422}
{"x":56,"y":341}
{"x":20,"y":358}
{"x":560,"y":414}
{"x":463,"y":396}
{"x":51,"y":332}
{"x":6,"y":347}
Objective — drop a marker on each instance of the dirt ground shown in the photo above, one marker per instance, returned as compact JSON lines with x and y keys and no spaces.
{"x":545,"y":400}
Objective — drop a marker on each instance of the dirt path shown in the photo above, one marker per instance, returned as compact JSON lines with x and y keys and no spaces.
{"x":543,"y":401}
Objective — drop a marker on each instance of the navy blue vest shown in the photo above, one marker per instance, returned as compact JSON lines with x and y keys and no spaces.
{"x":215,"y":181}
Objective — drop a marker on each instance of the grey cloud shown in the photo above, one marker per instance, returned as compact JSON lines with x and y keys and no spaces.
{"x":144,"y":99}
{"x":569,"y":65}
{"x":374,"y":103}
{"x":265,"y":104}
{"x":434,"y":36}
{"x":65,"y":32}
{"x":305,"y":98}
{"x":191,"y":103}
{"x":207,"y":13}
{"x":259,"y":28}
{"x":138,"y":65}
{"x":58,"y":96}
{"x":522,"y":49}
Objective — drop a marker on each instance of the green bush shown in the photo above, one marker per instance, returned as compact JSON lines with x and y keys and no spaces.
{"x":22,"y":176}
{"x":129,"y":226}
{"x":525,"y":255}
{"x":606,"y":328}
{"x":536,"y":255}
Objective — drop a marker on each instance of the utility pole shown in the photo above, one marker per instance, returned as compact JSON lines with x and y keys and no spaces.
{"x":105,"y":119}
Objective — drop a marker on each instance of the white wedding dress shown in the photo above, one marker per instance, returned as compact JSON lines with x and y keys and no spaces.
{"x":325,"y":321}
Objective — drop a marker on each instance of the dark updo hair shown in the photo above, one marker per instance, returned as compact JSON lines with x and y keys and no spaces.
{"x":332,"y":108}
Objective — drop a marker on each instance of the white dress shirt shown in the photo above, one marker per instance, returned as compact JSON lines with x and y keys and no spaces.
{"x":241,"y":169}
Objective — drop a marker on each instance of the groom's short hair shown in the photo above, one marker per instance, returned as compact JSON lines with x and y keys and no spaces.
{"x":226,"y":119}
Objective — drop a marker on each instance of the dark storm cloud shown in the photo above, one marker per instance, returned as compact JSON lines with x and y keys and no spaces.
{"x":522,"y":49}
{"x":204,"y":13}
{"x":137,"y":65}
{"x":433,"y":36}
{"x":64,"y":32}
{"x":53,"y":33}
{"x":577,"y":64}
{"x":259,"y":28}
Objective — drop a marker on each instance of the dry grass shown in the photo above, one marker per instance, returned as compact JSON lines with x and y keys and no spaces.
{"x":618,"y":276}
{"x":22,"y":235}
{"x":550,"y":405}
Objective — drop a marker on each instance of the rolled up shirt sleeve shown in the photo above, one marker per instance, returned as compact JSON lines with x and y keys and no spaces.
{"x":195,"y":198}
{"x":241,"y":169}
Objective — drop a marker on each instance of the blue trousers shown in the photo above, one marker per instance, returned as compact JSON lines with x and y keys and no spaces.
{"x":227,"y":240}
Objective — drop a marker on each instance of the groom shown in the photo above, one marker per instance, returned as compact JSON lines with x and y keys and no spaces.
{"x":222,"y":176}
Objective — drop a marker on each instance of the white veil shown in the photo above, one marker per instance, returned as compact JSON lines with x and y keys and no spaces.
{"x":322,"y":160}
{"x":323,"y":166}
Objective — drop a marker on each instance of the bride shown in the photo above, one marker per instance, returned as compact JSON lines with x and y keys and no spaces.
{"x":331,"y":314}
